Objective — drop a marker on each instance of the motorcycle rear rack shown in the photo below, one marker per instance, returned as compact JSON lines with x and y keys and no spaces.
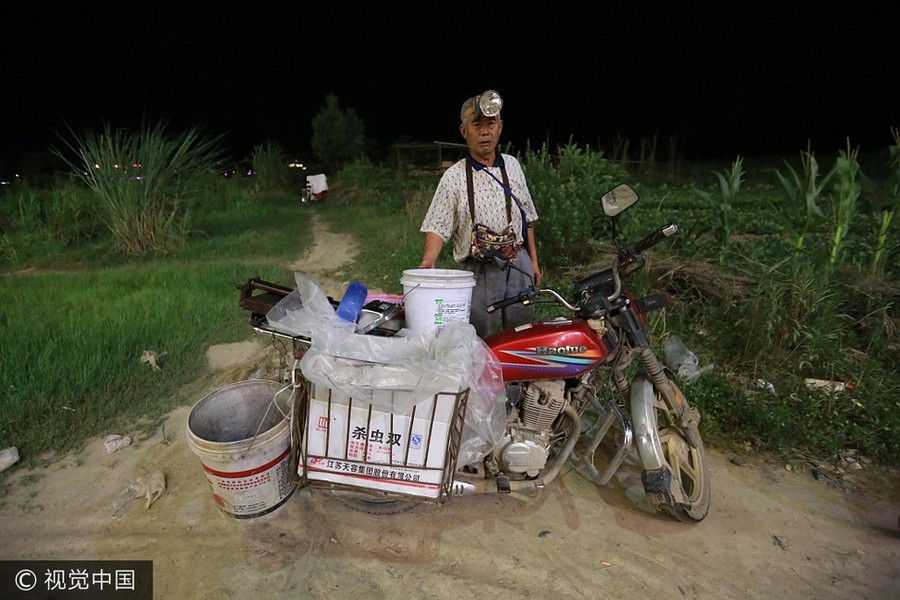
{"x":319,"y":469}
{"x":258,"y":297}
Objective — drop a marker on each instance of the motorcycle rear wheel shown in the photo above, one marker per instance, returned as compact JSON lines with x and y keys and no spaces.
{"x":369,"y":504}
{"x":689,"y":468}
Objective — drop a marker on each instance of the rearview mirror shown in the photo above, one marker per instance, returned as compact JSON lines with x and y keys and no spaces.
{"x":618,"y":199}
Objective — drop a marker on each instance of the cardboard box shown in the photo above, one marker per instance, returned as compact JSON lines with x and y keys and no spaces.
{"x":352,"y":443}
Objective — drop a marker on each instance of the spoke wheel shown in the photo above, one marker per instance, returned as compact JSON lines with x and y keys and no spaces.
{"x":688,"y":500}
{"x":369,"y":504}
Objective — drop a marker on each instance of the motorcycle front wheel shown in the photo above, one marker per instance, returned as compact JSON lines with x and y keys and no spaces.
{"x":679,"y":484}
{"x":689,"y":468}
{"x":369,"y":504}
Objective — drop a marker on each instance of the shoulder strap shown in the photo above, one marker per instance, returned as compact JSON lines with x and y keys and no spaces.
{"x":506,"y":190}
{"x":471,"y":189}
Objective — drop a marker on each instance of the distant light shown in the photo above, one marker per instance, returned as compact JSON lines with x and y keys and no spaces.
{"x":295,"y":164}
{"x":96,"y":166}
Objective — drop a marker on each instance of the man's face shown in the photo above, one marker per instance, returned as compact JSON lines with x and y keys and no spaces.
{"x":482,"y":134}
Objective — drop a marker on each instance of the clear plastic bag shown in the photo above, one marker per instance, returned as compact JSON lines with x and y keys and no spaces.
{"x":681,"y":360}
{"x":305,"y":310}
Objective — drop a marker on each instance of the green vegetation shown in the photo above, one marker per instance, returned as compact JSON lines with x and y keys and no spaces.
{"x":775,"y":278}
{"x":749,"y":303}
{"x":144,"y":181}
{"x":79,"y":309}
{"x":724,"y":201}
{"x":803,"y":193}
{"x":338,"y":135}
{"x":270,"y":162}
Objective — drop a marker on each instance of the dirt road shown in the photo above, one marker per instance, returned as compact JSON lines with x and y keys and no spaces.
{"x":771,"y":533}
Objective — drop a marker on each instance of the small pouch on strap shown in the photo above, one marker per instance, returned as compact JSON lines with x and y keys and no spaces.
{"x":486,"y":244}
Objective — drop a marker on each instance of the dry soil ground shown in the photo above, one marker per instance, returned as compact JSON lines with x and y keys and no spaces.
{"x":771,"y":532}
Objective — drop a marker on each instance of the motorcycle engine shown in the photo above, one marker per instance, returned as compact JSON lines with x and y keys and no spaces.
{"x":525,"y":448}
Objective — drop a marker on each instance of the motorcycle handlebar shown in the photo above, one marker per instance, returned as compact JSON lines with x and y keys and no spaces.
{"x":627,"y":254}
{"x":523,"y":297}
{"x":527,"y":297}
{"x":664,"y":232}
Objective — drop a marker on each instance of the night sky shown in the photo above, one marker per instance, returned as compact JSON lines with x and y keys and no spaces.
{"x":726,"y":78}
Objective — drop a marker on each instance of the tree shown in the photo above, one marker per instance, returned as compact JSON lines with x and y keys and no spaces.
{"x":338,"y":135}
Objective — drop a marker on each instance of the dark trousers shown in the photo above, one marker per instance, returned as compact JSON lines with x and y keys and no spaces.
{"x":492,"y":284}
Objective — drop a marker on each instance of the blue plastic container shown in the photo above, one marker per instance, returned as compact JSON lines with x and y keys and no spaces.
{"x":350,"y":306}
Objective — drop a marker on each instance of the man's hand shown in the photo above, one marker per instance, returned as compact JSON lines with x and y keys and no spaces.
{"x":537,"y":273}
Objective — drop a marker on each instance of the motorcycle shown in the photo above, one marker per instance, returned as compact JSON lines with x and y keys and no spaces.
{"x":571,"y":390}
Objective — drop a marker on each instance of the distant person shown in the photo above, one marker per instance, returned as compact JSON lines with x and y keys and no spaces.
{"x":486,"y":188}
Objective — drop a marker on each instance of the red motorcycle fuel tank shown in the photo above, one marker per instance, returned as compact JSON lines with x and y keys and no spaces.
{"x":556,"y":349}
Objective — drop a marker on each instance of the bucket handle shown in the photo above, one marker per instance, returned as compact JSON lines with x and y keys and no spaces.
{"x":411,"y":290}
{"x":266,"y":414}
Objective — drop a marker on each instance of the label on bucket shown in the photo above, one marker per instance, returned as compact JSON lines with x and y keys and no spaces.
{"x":446,"y":312}
{"x":254,"y":492}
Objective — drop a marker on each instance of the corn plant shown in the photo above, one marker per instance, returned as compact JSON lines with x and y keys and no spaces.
{"x":887,"y":213}
{"x":804,"y":191}
{"x":143,"y":180}
{"x":847,"y":190}
{"x":729,"y":188}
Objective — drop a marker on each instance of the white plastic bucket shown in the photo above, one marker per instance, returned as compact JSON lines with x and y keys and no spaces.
{"x":249,"y":473}
{"x":434,"y":298}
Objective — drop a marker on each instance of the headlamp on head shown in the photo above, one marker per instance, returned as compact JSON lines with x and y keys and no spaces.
{"x":486,"y":104}
{"x":489,"y":103}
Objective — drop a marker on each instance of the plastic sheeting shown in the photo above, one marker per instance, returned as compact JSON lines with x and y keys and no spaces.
{"x":395,"y":373}
{"x":305,"y":310}
{"x":317,"y":183}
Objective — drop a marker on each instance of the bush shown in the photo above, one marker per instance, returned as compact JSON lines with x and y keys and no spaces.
{"x":567,"y":190}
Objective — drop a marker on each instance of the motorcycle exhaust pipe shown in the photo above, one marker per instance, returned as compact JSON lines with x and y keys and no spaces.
{"x":503,"y":485}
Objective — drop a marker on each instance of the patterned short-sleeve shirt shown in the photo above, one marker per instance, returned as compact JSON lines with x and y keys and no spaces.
{"x":448,"y":216}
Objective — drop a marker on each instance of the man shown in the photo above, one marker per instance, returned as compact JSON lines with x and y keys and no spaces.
{"x":492,"y":186}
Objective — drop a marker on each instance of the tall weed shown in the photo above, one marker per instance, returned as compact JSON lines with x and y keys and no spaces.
{"x":271,"y":165}
{"x":35,"y":221}
{"x":144,"y":179}
{"x":791,"y":326}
